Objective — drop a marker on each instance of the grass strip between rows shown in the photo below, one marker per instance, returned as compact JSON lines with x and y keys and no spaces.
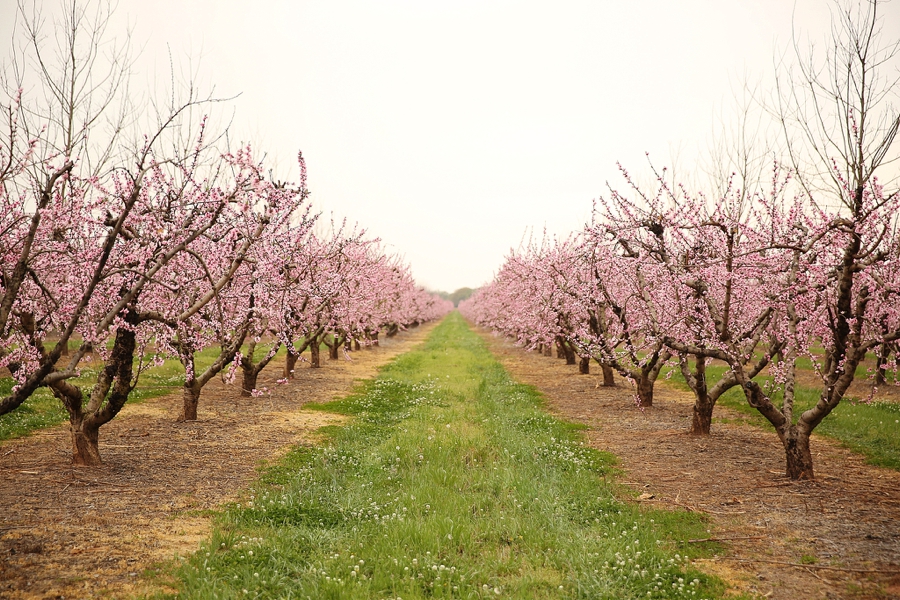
{"x":450,"y":482}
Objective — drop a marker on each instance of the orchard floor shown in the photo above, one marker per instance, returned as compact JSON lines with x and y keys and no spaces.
{"x":92,"y":532}
{"x":836,"y":537}
{"x":77,"y":532}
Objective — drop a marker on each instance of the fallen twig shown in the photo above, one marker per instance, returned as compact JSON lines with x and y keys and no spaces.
{"x":684,"y":506}
{"x":806,"y":566}
{"x":726,"y":539}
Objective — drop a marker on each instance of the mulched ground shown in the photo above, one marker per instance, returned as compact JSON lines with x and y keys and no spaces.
{"x":78,"y":532}
{"x":846,"y":523}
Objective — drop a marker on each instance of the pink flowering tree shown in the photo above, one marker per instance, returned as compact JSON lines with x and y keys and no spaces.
{"x":22,"y":239}
{"x":271,"y":281}
{"x":314,"y":282}
{"x":840,"y":124}
{"x":538,"y":299}
{"x":67,"y":131}
{"x":168,"y":213}
{"x":238,"y":262}
{"x":694,"y":272}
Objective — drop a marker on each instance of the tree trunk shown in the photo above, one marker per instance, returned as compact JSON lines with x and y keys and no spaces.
{"x":85,"y":442}
{"x":290,"y":362}
{"x":314,"y":354}
{"x":703,"y":404}
{"x":564,"y":350}
{"x":374,"y":337}
{"x":333,"y":350}
{"x":702,"y":420}
{"x":584,"y":365}
{"x":356,"y":345}
{"x":190,"y":399}
{"x":609,"y":379}
{"x":644,"y":391}
{"x":797,"y":453}
{"x":249,"y":384}
{"x":570,"y":354}
{"x":884,"y":352}
{"x":108,"y":396}
{"x":548,"y":350}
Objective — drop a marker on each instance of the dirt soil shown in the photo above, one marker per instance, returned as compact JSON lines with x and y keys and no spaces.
{"x":836,"y":537}
{"x":88,"y":532}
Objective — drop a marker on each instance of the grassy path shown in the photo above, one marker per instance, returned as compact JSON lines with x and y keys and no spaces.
{"x":451,"y":482}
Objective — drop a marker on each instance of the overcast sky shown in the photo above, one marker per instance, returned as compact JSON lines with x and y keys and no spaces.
{"x":447,"y":128}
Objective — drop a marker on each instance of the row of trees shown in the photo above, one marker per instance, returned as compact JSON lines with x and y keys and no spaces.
{"x":139,"y":239}
{"x":765,"y":272}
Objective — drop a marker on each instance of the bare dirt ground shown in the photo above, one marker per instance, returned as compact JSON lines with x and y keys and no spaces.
{"x":836,"y":537}
{"x":86,"y":532}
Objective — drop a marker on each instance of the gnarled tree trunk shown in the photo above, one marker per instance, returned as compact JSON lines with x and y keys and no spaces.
{"x":249,"y":381}
{"x":314,"y":354}
{"x":334,"y":346}
{"x":609,"y":379}
{"x":85,"y":442}
{"x":108,"y":396}
{"x":584,"y":365}
{"x":644,"y":386}
{"x":290,"y":363}
{"x":190,"y":395}
{"x":799,"y":464}
{"x":703,"y":404}
{"x":702,"y":415}
{"x":645,"y":377}
{"x":567,"y":351}
{"x":882,"y":356}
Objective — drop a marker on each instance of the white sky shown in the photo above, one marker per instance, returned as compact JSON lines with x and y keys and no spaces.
{"x":449,"y":127}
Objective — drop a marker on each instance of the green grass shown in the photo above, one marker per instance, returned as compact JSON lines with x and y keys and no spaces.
{"x":871,"y":429}
{"x":449,"y":482}
{"x":39,"y":411}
